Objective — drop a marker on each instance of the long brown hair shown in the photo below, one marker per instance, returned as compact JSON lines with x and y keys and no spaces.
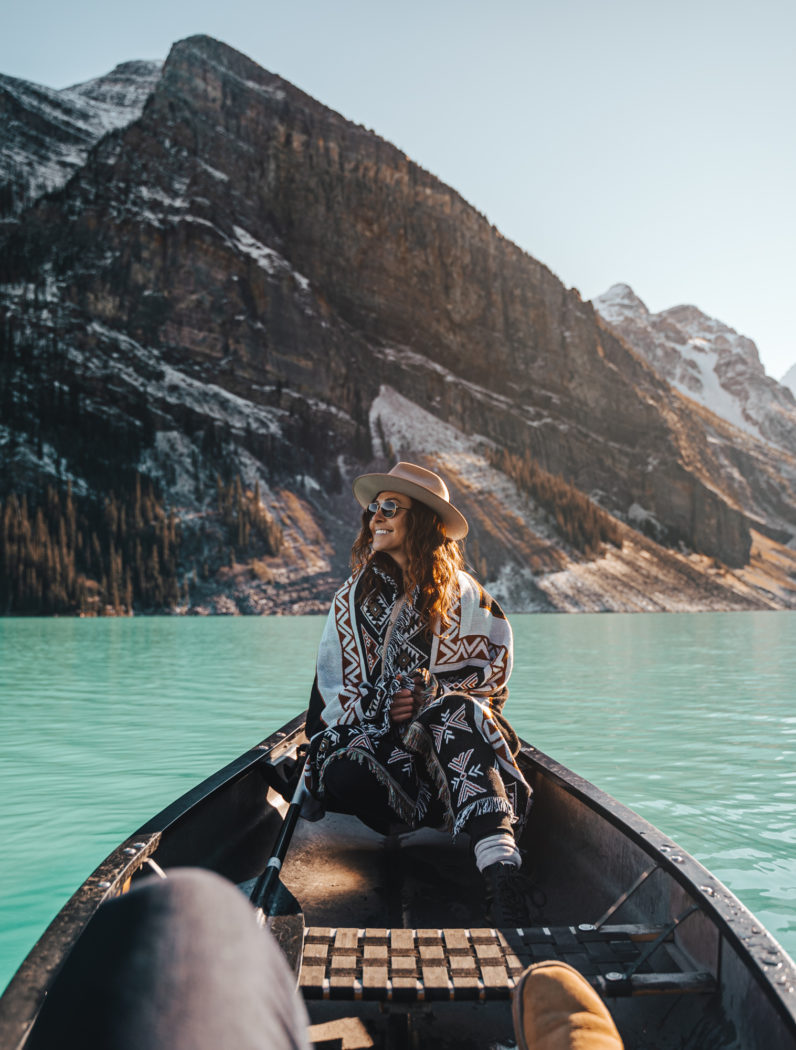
{"x":432,"y":561}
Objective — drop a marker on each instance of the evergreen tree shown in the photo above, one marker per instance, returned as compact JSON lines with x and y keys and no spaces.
{"x":67,"y":555}
{"x":583,"y":524}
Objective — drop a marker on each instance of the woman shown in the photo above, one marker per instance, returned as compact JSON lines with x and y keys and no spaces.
{"x":405,"y":714}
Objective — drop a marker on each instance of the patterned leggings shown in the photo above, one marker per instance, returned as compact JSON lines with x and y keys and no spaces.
{"x":444,"y":755}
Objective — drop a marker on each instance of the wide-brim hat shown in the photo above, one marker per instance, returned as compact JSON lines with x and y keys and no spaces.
{"x":418,"y":483}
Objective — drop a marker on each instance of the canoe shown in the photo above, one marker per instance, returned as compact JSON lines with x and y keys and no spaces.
{"x":393,"y":947}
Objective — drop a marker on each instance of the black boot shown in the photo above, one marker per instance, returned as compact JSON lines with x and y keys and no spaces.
{"x":510,"y":896}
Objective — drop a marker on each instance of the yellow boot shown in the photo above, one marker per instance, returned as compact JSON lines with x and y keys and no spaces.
{"x":554,"y":1008}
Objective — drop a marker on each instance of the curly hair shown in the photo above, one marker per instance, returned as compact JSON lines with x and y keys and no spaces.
{"x":432,"y":563}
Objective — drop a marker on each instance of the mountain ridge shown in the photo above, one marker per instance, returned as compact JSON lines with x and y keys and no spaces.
{"x":706,"y":360}
{"x":239,"y":279}
{"x":48,"y":133}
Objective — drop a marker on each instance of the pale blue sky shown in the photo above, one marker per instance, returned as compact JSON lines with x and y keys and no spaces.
{"x":624,"y":140}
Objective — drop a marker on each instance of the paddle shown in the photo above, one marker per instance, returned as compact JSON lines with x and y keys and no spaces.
{"x":277,"y":907}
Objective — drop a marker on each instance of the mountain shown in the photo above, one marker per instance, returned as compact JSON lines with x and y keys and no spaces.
{"x":789,"y":380}
{"x":707,"y":361}
{"x":241,"y":300}
{"x":47,"y":134}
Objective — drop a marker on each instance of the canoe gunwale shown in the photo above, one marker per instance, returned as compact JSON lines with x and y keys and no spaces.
{"x":765,"y":958}
{"x":273,"y":749}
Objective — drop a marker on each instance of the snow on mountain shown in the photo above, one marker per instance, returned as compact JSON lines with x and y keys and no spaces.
{"x":125,"y":89}
{"x":409,"y":429}
{"x":789,"y":380}
{"x":706,"y":360}
{"x":46,"y":134}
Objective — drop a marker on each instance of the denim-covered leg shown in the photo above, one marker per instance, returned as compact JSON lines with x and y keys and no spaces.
{"x":177,"y":964}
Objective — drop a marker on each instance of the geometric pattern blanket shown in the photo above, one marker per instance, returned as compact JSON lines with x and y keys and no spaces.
{"x":458,"y":744}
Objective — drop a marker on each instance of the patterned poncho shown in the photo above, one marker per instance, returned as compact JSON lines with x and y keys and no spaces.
{"x":367,"y":645}
{"x":356,"y":678}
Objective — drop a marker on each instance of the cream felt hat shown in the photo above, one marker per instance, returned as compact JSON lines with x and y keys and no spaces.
{"x":418,"y":483}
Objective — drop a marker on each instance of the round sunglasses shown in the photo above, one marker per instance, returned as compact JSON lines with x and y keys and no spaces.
{"x":388,"y":507}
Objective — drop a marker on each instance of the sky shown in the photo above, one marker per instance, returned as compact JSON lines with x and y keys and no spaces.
{"x":616,"y":141}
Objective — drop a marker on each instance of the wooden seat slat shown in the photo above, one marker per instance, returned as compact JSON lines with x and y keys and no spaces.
{"x":489,"y":951}
{"x":435,"y":977}
{"x":402,"y":939}
{"x":376,"y":934}
{"x":432,"y":953}
{"x":466,"y":986}
{"x":345,"y":938}
{"x":374,"y":976}
{"x":456,"y":940}
{"x":375,"y":952}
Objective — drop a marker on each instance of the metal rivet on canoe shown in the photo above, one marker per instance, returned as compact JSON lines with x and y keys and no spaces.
{"x":614,"y":976}
{"x":129,"y":850}
{"x":139,"y":845}
{"x":103,"y":885}
{"x":677,"y":858}
{"x":586,"y":927}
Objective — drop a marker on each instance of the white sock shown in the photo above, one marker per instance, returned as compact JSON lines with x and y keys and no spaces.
{"x":497,"y":849}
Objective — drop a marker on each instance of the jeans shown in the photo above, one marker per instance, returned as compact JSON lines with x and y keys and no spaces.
{"x":178,"y":963}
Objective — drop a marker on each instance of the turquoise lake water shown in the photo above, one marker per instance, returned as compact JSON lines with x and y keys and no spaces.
{"x":690,"y":719}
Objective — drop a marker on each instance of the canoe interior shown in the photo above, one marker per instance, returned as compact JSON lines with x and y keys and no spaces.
{"x":584,"y":851}
{"x":346,"y":876}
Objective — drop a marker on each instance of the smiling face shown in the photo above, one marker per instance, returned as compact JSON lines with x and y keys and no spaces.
{"x":388,"y":534}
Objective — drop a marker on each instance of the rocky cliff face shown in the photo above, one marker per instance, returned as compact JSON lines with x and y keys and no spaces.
{"x":242,"y":282}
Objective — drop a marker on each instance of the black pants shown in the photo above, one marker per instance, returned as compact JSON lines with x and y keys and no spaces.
{"x":175,"y":964}
{"x":352,"y":788}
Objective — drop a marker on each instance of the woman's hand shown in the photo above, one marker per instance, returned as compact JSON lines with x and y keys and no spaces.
{"x":402,"y":707}
{"x":406,"y":703}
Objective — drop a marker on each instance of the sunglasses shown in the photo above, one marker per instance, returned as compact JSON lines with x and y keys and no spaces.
{"x":388,"y":507}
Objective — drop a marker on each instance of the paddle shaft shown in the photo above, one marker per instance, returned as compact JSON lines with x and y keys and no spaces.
{"x":266,"y":884}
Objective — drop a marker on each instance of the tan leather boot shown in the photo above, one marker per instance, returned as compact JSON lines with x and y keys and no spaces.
{"x":554,"y":1008}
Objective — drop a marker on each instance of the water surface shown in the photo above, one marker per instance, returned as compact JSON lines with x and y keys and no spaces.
{"x":687,"y":718}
